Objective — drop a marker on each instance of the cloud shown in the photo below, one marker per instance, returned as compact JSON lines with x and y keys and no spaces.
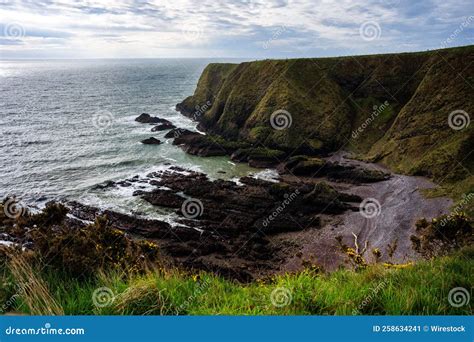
{"x":187,"y":28}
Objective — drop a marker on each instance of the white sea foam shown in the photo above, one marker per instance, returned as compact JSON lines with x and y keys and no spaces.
{"x":270,"y":175}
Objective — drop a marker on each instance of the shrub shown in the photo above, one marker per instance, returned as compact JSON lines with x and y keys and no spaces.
{"x":79,"y":250}
{"x":82,"y":251}
{"x":442,"y":234}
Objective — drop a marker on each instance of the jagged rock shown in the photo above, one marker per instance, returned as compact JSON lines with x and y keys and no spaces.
{"x":177,"y":132}
{"x":199,"y":145}
{"x":163,"y":127}
{"x":316,"y":167}
{"x":258,"y":157}
{"x":235,"y":210}
{"x":107,"y":184}
{"x":224,"y":221}
{"x":151,"y":141}
{"x":163,"y":198}
{"x":147,"y":118}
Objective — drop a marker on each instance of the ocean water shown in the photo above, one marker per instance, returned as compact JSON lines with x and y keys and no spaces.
{"x":67,"y":126}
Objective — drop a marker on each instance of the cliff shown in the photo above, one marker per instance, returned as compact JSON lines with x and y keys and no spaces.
{"x":390,"y":108}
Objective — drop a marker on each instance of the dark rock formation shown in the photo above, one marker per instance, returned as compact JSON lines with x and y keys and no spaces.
{"x":258,"y":157}
{"x":147,"y":118}
{"x":224,"y":227}
{"x":245,"y":209}
{"x":200,"y":145}
{"x":151,"y":141}
{"x":316,"y":167}
{"x":163,"y":127}
{"x":105,"y":185}
{"x":163,"y":198}
{"x":177,"y":132}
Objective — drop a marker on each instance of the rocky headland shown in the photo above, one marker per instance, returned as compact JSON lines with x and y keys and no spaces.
{"x":344,"y":180}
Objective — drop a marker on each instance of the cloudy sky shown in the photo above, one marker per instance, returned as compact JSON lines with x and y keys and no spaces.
{"x":232,"y":28}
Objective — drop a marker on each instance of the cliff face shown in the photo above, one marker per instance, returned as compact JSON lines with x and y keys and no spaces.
{"x":390,"y":108}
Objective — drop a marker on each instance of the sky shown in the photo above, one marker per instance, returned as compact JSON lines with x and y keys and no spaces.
{"x":239,"y":28}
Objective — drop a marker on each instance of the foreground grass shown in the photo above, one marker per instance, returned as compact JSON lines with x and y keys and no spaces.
{"x":421,"y":289}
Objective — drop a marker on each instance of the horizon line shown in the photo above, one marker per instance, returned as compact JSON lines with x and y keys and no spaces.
{"x":224,"y":57}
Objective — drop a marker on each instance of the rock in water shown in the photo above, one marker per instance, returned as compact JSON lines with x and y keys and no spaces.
{"x":163,"y":127}
{"x":177,"y":132}
{"x":147,"y":118}
{"x":151,"y":141}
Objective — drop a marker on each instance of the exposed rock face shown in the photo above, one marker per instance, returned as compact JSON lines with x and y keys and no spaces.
{"x":147,"y":118}
{"x":316,"y":167}
{"x":148,"y":228}
{"x":199,"y":145}
{"x":151,"y":141}
{"x":245,"y":208}
{"x":258,"y":157}
{"x":163,"y":198}
{"x":394,"y":108}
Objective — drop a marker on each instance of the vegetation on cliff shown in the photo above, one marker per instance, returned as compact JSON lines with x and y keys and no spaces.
{"x":375,"y":290}
{"x":393,"y":109}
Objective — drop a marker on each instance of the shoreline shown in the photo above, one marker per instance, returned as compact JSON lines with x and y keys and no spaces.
{"x":297,"y":241}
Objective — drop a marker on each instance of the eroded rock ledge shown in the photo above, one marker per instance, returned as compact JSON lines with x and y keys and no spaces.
{"x":227,"y":227}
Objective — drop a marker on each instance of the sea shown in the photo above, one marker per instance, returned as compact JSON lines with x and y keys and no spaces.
{"x":67,"y":126}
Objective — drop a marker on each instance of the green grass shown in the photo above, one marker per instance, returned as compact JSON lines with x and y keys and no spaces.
{"x":421,"y":289}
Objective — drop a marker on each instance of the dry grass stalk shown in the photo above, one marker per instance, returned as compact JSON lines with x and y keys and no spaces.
{"x":34,"y":290}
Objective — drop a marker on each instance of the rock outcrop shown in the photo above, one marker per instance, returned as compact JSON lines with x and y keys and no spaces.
{"x":163,"y":127}
{"x":147,"y":118}
{"x":151,"y":141}
{"x":177,"y":132}
{"x":222,"y":226}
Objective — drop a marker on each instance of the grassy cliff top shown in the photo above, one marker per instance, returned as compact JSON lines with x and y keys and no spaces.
{"x":400,"y":291}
